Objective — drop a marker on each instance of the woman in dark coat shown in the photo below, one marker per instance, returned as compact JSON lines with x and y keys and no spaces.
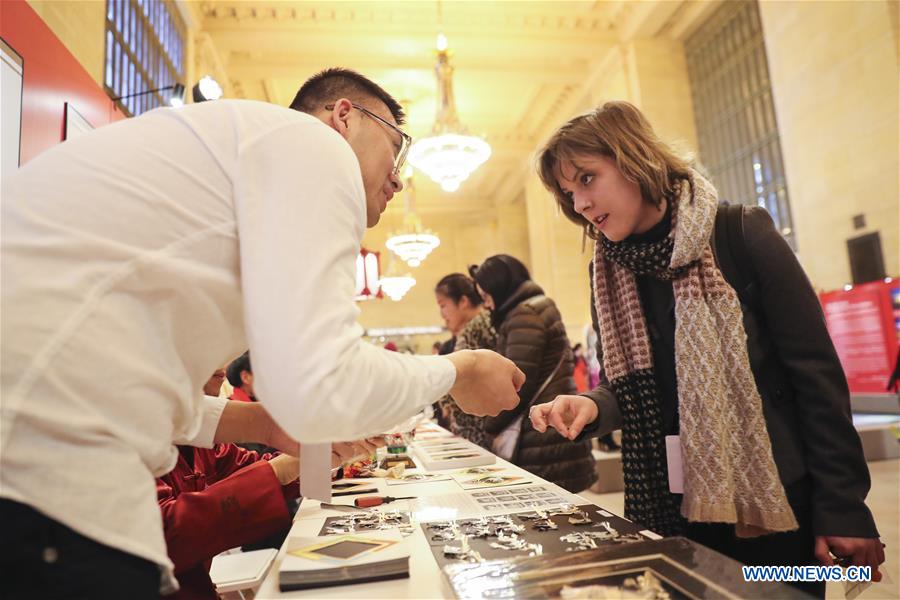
{"x":530,"y":333}
{"x":709,"y":332}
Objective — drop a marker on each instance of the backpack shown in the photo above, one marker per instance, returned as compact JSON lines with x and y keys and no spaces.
{"x":730,"y":250}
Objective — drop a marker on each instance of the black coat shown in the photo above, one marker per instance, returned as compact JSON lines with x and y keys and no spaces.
{"x":806,"y":401}
{"x":530,"y":333}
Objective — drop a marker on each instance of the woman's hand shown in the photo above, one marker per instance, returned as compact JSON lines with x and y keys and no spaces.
{"x":566,"y":414}
{"x":861,"y":552}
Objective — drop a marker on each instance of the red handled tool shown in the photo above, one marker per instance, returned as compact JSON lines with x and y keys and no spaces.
{"x":370,"y":501}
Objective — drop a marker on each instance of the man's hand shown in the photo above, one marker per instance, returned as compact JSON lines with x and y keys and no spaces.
{"x":346,"y":452}
{"x":861,"y":552}
{"x":566,"y":414}
{"x":486,"y":383}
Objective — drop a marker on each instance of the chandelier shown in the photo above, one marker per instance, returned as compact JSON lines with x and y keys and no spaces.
{"x":412,"y":243}
{"x":395,"y":283}
{"x":448,"y":155}
{"x":396,"y":286}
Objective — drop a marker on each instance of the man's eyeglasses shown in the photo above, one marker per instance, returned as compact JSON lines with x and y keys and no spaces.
{"x":405,"y":138}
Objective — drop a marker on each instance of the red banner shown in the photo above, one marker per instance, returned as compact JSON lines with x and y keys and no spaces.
{"x":864,"y":323}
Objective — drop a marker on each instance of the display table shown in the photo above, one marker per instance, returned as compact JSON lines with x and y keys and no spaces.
{"x":446,"y":500}
{"x":425,"y":579}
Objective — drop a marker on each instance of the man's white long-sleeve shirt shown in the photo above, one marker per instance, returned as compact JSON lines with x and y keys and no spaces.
{"x":141,"y":257}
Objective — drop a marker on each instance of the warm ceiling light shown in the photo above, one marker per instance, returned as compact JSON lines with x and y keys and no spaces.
{"x":449,"y":155}
{"x":207,"y":89}
{"x":413,"y":242}
{"x":396,"y":286}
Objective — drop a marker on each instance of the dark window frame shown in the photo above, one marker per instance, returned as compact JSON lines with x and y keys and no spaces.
{"x":145,"y":44}
{"x":737,"y":130}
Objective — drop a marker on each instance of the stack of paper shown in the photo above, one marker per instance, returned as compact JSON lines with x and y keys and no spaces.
{"x":451,"y":454}
{"x":312,"y":562}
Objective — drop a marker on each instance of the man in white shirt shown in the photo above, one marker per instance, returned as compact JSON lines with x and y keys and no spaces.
{"x":139,"y":258}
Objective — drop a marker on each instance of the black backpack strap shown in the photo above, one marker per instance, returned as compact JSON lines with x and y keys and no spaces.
{"x":730,"y":249}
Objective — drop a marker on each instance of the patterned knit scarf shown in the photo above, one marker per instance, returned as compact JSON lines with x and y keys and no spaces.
{"x":729,"y":472}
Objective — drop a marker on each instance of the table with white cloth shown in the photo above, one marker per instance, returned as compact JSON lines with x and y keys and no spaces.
{"x":426,"y":579}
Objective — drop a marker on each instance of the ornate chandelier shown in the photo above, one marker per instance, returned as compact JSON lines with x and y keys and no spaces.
{"x":395,"y":283}
{"x":396,"y":286}
{"x":449,"y":155}
{"x":412,"y":243}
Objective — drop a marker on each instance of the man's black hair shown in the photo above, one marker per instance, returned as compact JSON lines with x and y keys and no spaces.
{"x":332,"y":84}
{"x":238,"y":366}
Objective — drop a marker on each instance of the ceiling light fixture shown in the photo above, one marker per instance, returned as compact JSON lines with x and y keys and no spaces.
{"x":395,"y":283}
{"x":449,"y":155}
{"x":413,"y":243}
{"x":206,"y":89}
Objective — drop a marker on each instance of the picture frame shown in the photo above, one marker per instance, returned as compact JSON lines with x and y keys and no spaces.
{"x":75,"y":123}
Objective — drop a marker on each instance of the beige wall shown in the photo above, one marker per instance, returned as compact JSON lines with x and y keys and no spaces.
{"x":834,"y":76}
{"x":79,"y":24}
{"x":464,"y":241}
{"x":652,"y":74}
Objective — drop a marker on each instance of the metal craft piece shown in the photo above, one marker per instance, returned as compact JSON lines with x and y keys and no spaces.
{"x":462,"y":552}
{"x":371,"y":521}
{"x":563,"y":509}
{"x":643,"y":586}
{"x":537,"y":515}
{"x":580,"y":517}
{"x":545,"y":525}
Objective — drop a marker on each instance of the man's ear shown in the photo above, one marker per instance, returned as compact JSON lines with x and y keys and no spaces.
{"x":246,"y":377}
{"x":339,"y":117}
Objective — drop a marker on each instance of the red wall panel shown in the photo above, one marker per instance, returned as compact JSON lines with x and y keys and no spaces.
{"x":52,"y":77}
{"x":864,"y":323}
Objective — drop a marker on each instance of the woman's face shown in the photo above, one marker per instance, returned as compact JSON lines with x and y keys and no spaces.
{"x":454,"y":314}
{"x":603,"y":196}
{"x":487,"y":298}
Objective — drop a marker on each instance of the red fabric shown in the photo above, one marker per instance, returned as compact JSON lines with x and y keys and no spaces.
{"x":230,"y":497}
{"x":241,"y":396}
{"x":52,"y":76}
{"x":580,"y":374}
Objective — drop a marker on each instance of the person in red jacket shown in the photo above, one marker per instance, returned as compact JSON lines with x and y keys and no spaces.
{"x":219,"y":498}
{"x":223,"y":497}
{"x":240,"y":376}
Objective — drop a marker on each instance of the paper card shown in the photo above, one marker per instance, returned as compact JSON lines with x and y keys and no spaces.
{"x":491,"y":480}
{"x":315,"y":471}
{"x":347,"y":488}
{"x":676,"y":469}
{"x":522,"y":497}
{"x":408,"y":478}
{"x":438,"y":443}
{"x":341,"y":548}
{"x":473,"y":471}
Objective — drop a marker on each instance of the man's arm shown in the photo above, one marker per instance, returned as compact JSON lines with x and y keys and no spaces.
{"x":301,"y":214}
